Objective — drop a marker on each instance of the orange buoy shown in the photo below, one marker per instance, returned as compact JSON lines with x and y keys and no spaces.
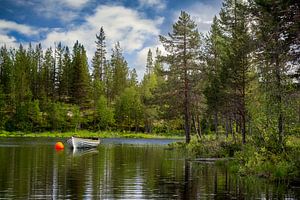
{"x":59,"y":145}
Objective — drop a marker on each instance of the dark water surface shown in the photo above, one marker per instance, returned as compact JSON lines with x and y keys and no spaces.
{"x":30,"y":168}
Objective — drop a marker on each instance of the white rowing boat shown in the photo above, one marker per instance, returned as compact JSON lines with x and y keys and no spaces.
{"x":79,"y":143}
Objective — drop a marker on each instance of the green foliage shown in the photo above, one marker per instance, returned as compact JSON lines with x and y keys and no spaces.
{"x":183,"y":48}
{"x":104,"y":114}
{"x":264,"y":163}
{"x":35,"y":115}
{"x":211,"y":146}
{"x":119,"y":72}
{"x":80,"y":85}
{"x":128,"y":109}
{"x":63,"y":117}
{"x":3,"y":117}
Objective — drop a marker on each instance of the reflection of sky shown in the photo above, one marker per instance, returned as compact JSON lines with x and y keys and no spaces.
{"x":133,"y":188}
{"x":135,"y":23}
{"x":109,"y":141}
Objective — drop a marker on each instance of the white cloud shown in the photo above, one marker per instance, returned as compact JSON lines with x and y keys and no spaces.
{"x":128,"y":26}
{"x":7,"y":26}
{"x":202,"y":14}
{"x":141,"y":57}
{"x":63,"y":10}
{"x":75,"y":3}
{"x":120,"y":24}
{"x":157,"y":4}
{"x":8,"y":40}
{"x":125,"y":25}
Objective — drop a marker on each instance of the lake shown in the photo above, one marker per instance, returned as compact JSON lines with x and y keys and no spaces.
{"x":121,"y":169}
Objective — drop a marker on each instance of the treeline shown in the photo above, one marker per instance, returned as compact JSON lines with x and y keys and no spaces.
{"x":241,"y":78}
{"x":54,"y":89}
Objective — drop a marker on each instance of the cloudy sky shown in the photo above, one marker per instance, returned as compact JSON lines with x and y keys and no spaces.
{"x":135,"y":24}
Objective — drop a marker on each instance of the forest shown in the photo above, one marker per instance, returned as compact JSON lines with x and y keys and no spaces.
{"x":240,"y":80}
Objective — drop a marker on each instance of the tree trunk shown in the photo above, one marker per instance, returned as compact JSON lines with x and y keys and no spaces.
{"x":186,"y":94}
{"x":243,"y":124}
{"x":299,"y":114}
{"x":187,"y":118}
{"x":226,"y":126}
{"x":194,"y":123}
{"x":279,"y":101}
{"x":216,"y":122}
{"x":199,"y":126}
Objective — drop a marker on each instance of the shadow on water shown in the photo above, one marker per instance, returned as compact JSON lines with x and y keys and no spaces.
{"x":121,"y":169}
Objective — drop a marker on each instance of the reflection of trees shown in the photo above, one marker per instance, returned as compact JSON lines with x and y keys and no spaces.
{"x":121,"y":171}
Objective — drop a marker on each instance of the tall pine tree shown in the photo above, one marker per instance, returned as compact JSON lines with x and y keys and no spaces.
{"x":182,"y":46}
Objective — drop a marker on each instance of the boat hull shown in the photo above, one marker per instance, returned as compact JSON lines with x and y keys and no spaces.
{"x":80,"y":143}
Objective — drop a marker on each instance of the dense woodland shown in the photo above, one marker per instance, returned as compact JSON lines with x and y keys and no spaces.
{"x":240,"y":79}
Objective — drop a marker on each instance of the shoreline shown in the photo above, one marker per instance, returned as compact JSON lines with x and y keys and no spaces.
{"x":85,"y":133}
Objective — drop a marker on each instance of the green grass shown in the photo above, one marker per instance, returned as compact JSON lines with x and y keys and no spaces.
{"x":85,"y":133}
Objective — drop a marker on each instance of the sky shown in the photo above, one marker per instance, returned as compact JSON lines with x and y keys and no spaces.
{"x":135,"y":24}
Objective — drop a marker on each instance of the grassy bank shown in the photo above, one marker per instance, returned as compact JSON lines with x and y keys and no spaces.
{"x":84,"y":133}
{"x":249,"y":159}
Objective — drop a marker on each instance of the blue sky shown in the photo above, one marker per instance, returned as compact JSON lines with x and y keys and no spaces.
{"x":135,"y":24}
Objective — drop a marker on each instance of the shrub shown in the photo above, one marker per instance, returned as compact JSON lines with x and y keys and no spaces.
{"x":210,"y":146}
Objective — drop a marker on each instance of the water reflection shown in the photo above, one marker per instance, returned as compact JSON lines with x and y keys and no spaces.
{"x":121,"y":170}
{"x":80,"y":152}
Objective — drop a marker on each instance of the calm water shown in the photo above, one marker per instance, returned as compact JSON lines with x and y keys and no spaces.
{"x":120,"y":169}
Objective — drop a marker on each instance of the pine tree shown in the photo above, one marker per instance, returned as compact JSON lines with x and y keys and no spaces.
{"x":182,"y":46}
{"x":7,"y":76}
{"x":65,"y":82}
{"x":213,"y":57}
{"x":98,"y":63}
{"x":133,"y":78}
{"x":59,"y":53}
{"x":99,"y":58}
{"x":22,"y":76}
{"x":33,"y":63}
{"x":277,"y":34}
{"x":47,"y":85}
{"x":149,"y":65}
{"x":108,"y":82}
{"x":236,"y":66}
{"x":147,"y":88}
{"x":80,"y":78}
{"x":119,"y":70}
{"x":39,"y":57}
{"x":7,"y":86}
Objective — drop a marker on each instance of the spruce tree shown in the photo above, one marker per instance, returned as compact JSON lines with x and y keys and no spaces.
{"x":80,"y":82}
{"x":119,"y":71}
{"x":66,"y":76}
{"x":149,"y":65}
{"x":98,"y":63}
{"x":99,"y":58}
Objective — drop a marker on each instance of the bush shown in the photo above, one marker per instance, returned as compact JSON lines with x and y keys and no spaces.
{"x":210,"y":146}
{"x":265,"y":163}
